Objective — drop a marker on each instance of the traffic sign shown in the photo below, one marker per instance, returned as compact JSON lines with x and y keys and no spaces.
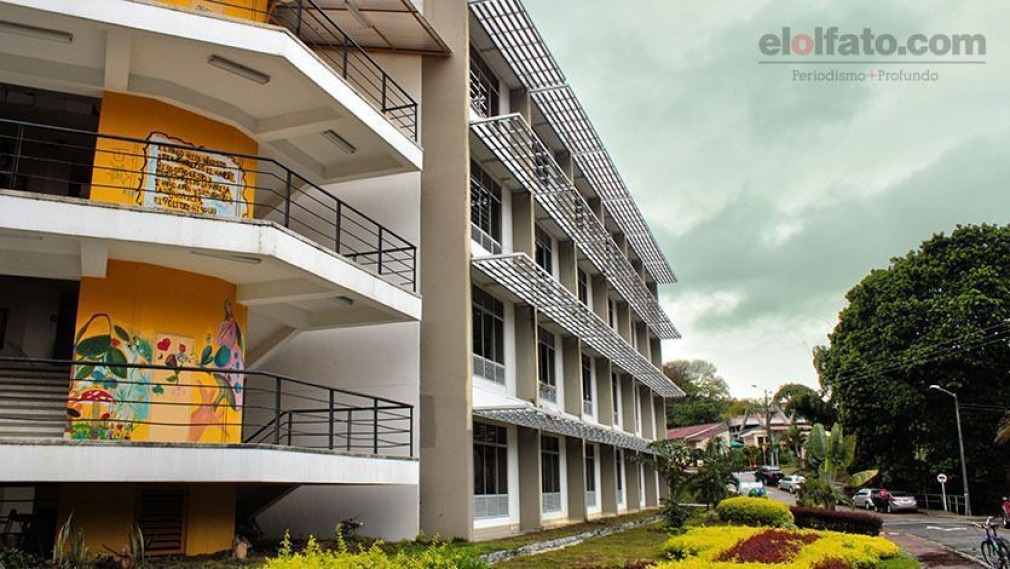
{"x":941,"y":478}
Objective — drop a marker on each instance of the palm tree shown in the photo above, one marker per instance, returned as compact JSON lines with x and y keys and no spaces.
{"x":828,"y":456}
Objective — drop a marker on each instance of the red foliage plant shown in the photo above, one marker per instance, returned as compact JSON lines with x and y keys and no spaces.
{"x":832,"y":563}
{"x":770,"y":546}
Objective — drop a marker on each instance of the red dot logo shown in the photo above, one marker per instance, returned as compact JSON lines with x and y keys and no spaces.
{"x":802,"y":44}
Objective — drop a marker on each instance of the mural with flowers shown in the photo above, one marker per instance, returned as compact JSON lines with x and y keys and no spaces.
{"x":187,"y":398}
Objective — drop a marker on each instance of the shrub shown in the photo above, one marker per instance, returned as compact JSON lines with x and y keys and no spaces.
{"x":770,"y":546}
{"x":845,"y":522}
{"x":14,"y":558}
{"x":754,"y":512}
{"x":704,"y":547}
{"x":439,"y":555}
{"x":674,"y":515}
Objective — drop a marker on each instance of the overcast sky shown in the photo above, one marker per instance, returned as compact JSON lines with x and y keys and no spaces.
{"x":771,"y":197}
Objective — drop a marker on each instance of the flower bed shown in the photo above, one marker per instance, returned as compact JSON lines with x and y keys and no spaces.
{"x":733,"y":546}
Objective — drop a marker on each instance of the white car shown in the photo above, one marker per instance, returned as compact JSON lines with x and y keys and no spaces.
{"x":791,"y":483}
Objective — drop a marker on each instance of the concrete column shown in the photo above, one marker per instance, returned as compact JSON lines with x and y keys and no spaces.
{"x":446,"y":428}
{"x":604,"y":395}
{"x":641,"y":332}
{"x":568,"y":267}
{"x":527,"y":383}
{"x":576,"y":462}
{"x":624,"y":326}
{"x":599,"y":300}
{"x":632,"y":478}
{"x":656,"y":351}
{"x":628,"y":403}
{"x":523,"y":223}
{"x":564,"y":160}
{"x":622,"y":243}
{"x":520,"y":102}
{"x":597,"y":206}
{"x":648,"y":413}
{"x":651,"y":487}
{"x":530,"y":517}
{"x":608,"y":480}
{"x":571,"y":353}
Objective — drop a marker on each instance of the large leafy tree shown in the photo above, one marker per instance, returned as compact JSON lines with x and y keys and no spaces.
{"x":938,"y":315}
{"x":799,"y":400}
{"x":706,"y":393}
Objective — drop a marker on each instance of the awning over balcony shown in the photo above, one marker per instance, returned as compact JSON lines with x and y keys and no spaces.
{"x":390,"y":25}
{"x":512,"y":31}
{"x":519,"y":149}
{"x":558,"y":424}
{"x":518,"y":274}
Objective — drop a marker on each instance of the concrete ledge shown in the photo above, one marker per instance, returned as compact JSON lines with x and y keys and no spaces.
{"x":57,"y":460}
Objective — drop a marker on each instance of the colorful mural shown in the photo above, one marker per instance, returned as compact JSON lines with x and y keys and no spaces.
{"x":173,"y":168}
{"x":255,"y":10}
{"x":142,"y":314}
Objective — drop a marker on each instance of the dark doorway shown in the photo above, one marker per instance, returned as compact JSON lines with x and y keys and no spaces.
{"x":41,"y":316}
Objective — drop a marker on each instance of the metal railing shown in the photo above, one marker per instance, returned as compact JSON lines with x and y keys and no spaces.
{"x":955,"y":502}
{"x":548,"y":392}
{"x":166,"y":173}
{"x":111,"y":401}
{"x":319,"y":32}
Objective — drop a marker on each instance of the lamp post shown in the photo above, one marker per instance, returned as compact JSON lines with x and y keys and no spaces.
{"x":772,"y":455}
{"x":960,"y":444}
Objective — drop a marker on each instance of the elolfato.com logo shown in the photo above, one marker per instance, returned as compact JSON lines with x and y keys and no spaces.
{"x":830,"y":42}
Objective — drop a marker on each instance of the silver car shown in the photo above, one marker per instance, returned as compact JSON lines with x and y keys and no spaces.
{"x":864,"y":498}
{"x":901,"y":502}
{"x":791,"y":483}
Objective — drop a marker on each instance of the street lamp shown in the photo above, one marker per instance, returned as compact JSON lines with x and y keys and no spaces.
{"x":960,"y":444}
{"x":772,"y":457}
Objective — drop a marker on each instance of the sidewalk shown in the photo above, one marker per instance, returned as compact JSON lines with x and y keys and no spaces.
{"x":931,"y":554}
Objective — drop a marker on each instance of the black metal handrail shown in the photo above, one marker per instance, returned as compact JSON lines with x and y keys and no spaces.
{"x":163,"y":172}
{"x":274,"y":408}
{"x":316,"y":29}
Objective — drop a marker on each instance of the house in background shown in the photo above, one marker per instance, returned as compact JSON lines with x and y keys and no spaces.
{"x":751,"y":428}
{"x":699,"y":436}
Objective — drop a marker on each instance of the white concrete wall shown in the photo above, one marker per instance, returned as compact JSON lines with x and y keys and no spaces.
{"x":387,"y":512}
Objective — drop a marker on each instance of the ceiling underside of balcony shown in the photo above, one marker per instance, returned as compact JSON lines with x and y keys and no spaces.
{"x":559,"y":425}
{"x":513,"y":33}
{"x":520,"y":276}
{"x":386,"y":25}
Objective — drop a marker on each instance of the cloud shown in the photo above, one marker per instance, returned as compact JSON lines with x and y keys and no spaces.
{"x":772,"y":197}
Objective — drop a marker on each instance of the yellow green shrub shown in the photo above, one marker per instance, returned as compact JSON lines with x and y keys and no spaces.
{"x":754,"y":512}
{"x":437,"y":556}
{"x":699,"y":547}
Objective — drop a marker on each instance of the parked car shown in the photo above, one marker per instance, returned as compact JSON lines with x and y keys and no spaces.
{"x":901,"y":502}
{"x":769,"y":475}
{"x":864,"y":498}
{"x":791,"y":483}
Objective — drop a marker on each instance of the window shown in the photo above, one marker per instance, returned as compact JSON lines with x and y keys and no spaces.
{"x":546,"y":368}
{"x":545,"y":251}
{"x":636,"y":403}
{"x":591,"y":475}
{"x":488,"y":336}
{"x":619,"y":465}
{"x":490,"y":471}
{"x":615,"y":385}
{"x":550,"y":473}
{"x":641,"y":484}
{"x":583,"y":287}
{"x":485,"y":209}
{"x":612,"y":313}
{"x":484,"y":95}
{"x":587,"y":385}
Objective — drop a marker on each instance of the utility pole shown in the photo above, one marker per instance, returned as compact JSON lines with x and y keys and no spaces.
{"x":772,"y":455}
{"x":960,"y":444}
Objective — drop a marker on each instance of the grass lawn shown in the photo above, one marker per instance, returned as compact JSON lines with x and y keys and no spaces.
{"x":903,"y":562}
{"x":617,"y":550}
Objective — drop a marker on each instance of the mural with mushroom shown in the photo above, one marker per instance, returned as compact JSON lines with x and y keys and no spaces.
{"x":119,"y":324}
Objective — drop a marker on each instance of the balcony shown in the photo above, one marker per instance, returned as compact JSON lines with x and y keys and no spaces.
{"x":160,"y":175}
{"x":528,"y":160}
{"x":311,"y":24}
{"x":195,"y":424}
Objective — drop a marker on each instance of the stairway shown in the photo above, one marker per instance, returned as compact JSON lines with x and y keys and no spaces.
{"x":33,"y":401}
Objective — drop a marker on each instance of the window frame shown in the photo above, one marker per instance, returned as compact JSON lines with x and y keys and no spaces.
{"x":544,"y":250}
{"x":483,"y":80}
{"x":491,"y":447}
{"x":485,"y":209}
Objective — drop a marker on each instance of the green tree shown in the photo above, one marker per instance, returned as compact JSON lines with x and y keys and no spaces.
{"x":935,"y":316}
{"x":826,"y":463}
{"x":706,"y":393}
{"x":714,"y":478}
{"x":799,"y":400}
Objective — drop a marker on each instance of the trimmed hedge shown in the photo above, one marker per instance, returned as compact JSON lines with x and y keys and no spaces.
{"x":846,"y":522}
{"x":754,"y":512}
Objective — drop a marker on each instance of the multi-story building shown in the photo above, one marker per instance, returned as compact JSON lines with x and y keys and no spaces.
{"x":541,"y":334}
{"x":209,"y":213}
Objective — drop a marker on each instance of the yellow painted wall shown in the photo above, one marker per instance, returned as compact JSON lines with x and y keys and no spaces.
{"x":210,"y":524}
{"x":255,"y":10}
{"x":147,"y":314}
{"x":105,"y":511}
{"x":155,"y":173}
